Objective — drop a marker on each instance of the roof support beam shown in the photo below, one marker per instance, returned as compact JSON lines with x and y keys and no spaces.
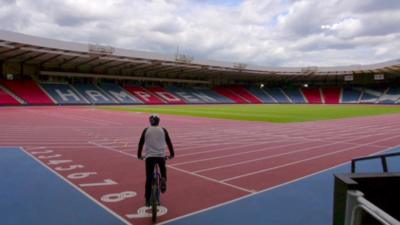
{"x":66,"y":61}
{"x":86,"y":62}
{"x":48,"y":60}
{"x":33,"y":57}
{"x":15,"y":56}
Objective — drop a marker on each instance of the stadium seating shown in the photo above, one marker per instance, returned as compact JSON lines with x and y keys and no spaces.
{"x":227,"y":92}
{"x":166,"y":95}
{"x":201,"y":91}
{"x":94,"y":94}
{"x":313,"y":95}
{"x":331,"y":95}
{"x":391,"y":96}
{"x":246,"y":95}
{"x":350,"y":95}
{"x":370,"y":95}
{"x":278,"y":95}
{"x":6,"y":99}
{"x":261,"y":94}
{"x":194,"y":96}
{"x":64,"y":94}
{"x":119,"y":94}
{"x":29,"y":91}
{"x":144,"y":95}
{"x":295,"y":95}
{"x":185,"y":93}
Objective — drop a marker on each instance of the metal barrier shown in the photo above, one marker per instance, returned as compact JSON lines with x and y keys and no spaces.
{"x":383,"y":158}
{"x":356,"y":204}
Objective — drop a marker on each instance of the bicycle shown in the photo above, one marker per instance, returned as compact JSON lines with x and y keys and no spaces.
{"x":155,"y":192}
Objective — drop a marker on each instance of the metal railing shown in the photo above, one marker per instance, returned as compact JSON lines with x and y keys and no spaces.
{"x":356,"y":204}
{"x":383,"y":158}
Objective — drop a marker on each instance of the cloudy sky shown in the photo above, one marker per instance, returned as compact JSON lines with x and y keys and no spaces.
{"x":261,"y":32}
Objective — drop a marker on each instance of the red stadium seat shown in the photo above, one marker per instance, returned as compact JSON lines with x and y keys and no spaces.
{"x":144,"y":95}
{"x":331,"y":95}
{"x":313,"y":95}
{"x":6,"y":99}
{"x":29,"y":91}
{"x":166,"y":95}
{"x":245,"y":94}
{"x":230,"y":94}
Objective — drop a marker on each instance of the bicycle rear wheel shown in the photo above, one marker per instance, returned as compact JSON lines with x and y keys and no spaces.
{"x":154,"y":204}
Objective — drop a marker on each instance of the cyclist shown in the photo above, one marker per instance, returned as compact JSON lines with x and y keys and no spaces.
{"x":155,"y":139}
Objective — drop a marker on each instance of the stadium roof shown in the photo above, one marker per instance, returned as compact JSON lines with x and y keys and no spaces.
{"x":98,"y":59}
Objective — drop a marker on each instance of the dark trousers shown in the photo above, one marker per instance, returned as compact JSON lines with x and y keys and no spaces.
{"x":150,"y":163}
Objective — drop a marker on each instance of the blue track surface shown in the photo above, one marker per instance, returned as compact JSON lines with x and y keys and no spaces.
{"x":306,"y":202}
{"x":30,"y":194}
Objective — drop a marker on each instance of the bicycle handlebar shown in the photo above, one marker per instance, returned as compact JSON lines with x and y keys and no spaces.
{"x":165,"y":157}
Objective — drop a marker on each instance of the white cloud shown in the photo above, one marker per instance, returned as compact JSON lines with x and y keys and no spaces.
{"x":263,"y":32}
{"x":346,"y":28}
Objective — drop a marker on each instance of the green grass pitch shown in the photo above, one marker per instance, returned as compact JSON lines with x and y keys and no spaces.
{"x":267,"y":113}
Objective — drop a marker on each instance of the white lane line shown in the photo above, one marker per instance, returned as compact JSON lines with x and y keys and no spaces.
{"x":226,"y":148}
{"x":300,"y":161}
{"x":211,"y":179}
{"x":248,"y":195}
{"x":239,"y":153}
{"x":78,"y":118}
{"x":262,"y":158}
{"x":112,"y":149}
{"x":264,"y":190}
{"x":184,"y":171}
{"x":35,"y":148}
{"x":78,"y":189}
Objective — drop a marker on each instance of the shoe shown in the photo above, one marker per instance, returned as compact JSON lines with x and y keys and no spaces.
{"x":163,"y":185}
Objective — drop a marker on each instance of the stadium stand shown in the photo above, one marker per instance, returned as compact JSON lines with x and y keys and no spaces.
{"x":246,"y":95}
{"x":64,"y":94}
{"x":313,"y":95}
{"x":370,"y":95}
{"x":29,"y":91}
{"x":331,"y":95}
{"x":390,"y":96}
{"x":262,"y":95}
{"x":119,"y":94}
{"x":111,"y":93}
{"x":227,"y":92}
{"x":295,"y":95}
{"x":202,"y":91}
{"x":165,"y":95}
{"x":6,"y":99}
{"x":278,"y":95}
{"x":185,"y":93}
{"x":350,"y":95}
{"x":144,"y":95}
{"x":94,"y":94}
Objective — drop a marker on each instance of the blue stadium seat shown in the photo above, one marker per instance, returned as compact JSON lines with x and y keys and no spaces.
{"x":350,"y":95}
{"x":187,"y":94}
{"x":211,"y":93}
{"x":64,"y":94}
{"x":94,"y":94}
{"x":119,"y":94}
{"x":371,"y":95}
{"x":261,"y":94}
{"x":295,"y":95}
{"x":391,"y":96}
{"x":278,"y":95}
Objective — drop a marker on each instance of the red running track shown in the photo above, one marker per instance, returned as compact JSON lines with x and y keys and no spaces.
{"x":217,"y":160}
